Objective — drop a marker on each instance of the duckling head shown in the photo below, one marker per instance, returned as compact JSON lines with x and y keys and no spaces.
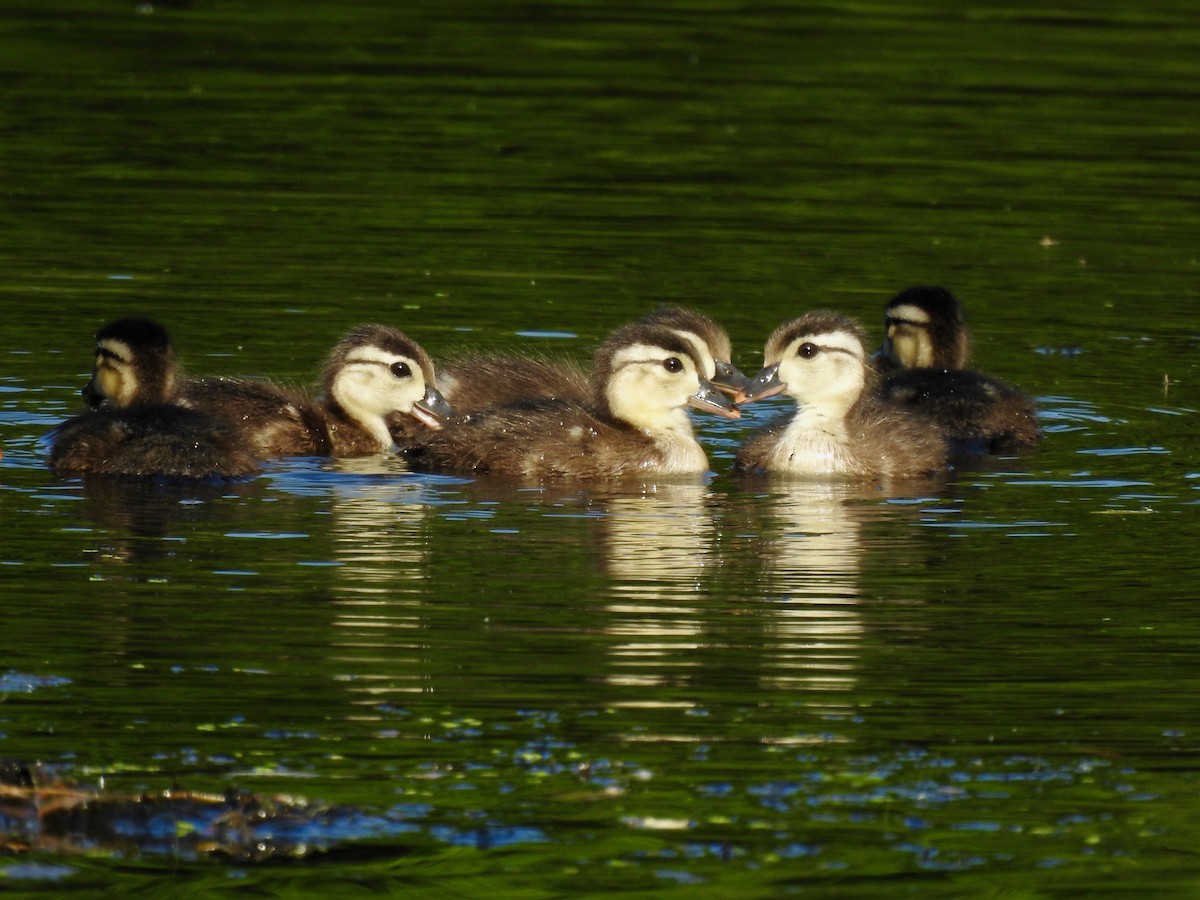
{"x":818,"y":360}
{"x":924,"y":328}
{"x":134,"y":363}
{"x":376,"y":371}
{"x":646,"y":375}
{"x":709,"y":338}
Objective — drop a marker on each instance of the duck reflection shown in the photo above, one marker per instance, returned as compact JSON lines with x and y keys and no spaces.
{"x":379,"y":541}
{"x":658,"y":547}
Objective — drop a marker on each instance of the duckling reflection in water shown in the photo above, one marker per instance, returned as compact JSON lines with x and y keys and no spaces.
{"x":924,"y":356}
{"x":142,"y":432}
{"x":634,"y":424}
{"x":378,"y":383}
{"x":842,"y":426}
{"x":479,"y":381}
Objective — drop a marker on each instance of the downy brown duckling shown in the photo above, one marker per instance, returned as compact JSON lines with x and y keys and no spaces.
{"x":140,"y":431}
{"x":635,"y":423}
{"x":842,"y":426}
{"x":377,"y":392}
{"x":376,"y":380}
{"x":479,"y":381}
{"x":924,"y":356}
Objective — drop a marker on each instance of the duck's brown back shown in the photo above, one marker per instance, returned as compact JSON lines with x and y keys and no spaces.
{"x":481,"y":381}
{"x":270,"y":419}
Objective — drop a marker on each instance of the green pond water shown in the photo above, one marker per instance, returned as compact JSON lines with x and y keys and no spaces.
{"x":984,"y":685}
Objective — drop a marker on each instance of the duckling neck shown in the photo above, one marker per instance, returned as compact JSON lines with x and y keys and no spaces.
{"x":360,"y":420}
{"x":673,"y":436}
{"x":814,"y":442}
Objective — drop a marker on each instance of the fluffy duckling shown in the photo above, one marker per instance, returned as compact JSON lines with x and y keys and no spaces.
{"x":157,"y":439}
{"x":635,"y":423}
{"x":140,"y":431}
{"x":842,"y":427}
{"x":377,"y":389}
{"x":476,"y":382}
{"x":924,"y":355}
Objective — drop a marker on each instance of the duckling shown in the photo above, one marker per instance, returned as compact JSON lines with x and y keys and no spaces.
{"x":634,"y":424}
{"x":924,"y":355}
{"x":842,"y":427}
{"x":139,"y":431}
{"x":377,"y":391}
{"x":376,"y":380}
{"x":476,"y":382}
{"x":153,"y":439}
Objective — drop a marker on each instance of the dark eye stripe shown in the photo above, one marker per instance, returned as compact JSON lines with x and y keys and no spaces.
{"x":892,"y":320}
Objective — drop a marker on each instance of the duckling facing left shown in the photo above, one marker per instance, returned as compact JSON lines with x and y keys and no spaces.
{"x":143,"y":433}
{"x":924,"y":356}
{"x":635,"y":423}
{"x":842,"y":426}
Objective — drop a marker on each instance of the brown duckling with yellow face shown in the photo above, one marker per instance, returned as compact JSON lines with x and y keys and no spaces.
{"x":376,"y":380}
{"x":479,"y":381}
{"x":635,"y":423}
{"x":143,"y":432}
{"x":924,"y":356}
{"x":842,"y":427}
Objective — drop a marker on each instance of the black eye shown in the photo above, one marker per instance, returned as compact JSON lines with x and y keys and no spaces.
{"x":672,"y":364}
{"x":401,"y":370}
{"x":808,"y":351}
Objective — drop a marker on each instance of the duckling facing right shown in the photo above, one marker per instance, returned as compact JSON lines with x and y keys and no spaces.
{"x":476,"y":382}
{"x":924,"y":357}
{"x":378,"y":384}
{"x":635,"y":423}
{"x":842,"y":426}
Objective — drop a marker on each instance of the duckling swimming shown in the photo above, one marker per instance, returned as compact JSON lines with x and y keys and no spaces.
{"x":480,"y":381}
{"x":141,"y":432}
{"x":634,"y":424}
{"x":924,"y":356}
{"x":842,"y":426}
{"x":376,"y":380}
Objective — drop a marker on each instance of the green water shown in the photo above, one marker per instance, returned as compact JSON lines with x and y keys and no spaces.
{"x":985,"y":685}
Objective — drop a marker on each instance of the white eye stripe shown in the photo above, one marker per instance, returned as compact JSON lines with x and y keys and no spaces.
{"x":645,"y":354}
{"x":908,"y":314}
{"x":114,"y":349}
{"x":374,"y":356}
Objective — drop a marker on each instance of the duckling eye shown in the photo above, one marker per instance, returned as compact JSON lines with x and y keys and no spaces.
{"x":672,"y":364}
{"x":401,"y":370}
{"x":808,"y":351}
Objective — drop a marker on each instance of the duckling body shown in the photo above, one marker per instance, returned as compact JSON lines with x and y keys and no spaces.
{"x":139,"y":432}
{"x":842,"y":426}
{"x":481,"y":381}
{"x":924,"y":357}
{"x":149,"y":440}
{"x":635,"y":423}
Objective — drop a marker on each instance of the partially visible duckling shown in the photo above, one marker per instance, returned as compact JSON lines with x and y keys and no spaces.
{"x":139,"y":431}
{"x":841,"y":427}
{"x":924,"y":355}
{"x":634,"y":424}
{"x":479,"y":381}
{"x":157,"y":439}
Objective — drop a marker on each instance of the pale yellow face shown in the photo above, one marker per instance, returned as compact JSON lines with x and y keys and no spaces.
{"x":650,"y":386}
{"x":823,"y":370}
{"x":908,"y":337}
{"x":701,"y":349}
{"x":113,"y":375}
{"x":373,"y":383}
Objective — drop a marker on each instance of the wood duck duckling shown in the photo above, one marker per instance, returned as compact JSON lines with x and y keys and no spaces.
{"x":377,"y":391}
{"x":842,"y":426}
{"x":475,"y":382}
{"x":635,"y":423}
{"x":924,"y":357}
{"x":140,"y":431}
